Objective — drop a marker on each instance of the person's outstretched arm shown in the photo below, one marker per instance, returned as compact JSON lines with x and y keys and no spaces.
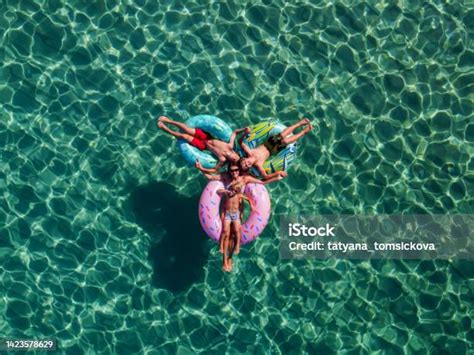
{"x":280,"y":175}
{"x":244,"y":146}
{"x":209,"y":176}
{"x":265,"y":175}
{"x":212,"y":177}
{"x":234,"y":134}
{"x":224,"y":192}
{"x":213,"y":170}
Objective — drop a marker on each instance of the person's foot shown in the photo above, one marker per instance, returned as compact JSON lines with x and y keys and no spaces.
{"x":304,"y":121}
{"x":225,"y":266}
{"x":221,"y":245}
{"x":308,"y":128}
{"x":237,"y":249}
{"x":229,"y":265}
{"x":160,"y":125}
{"x":164,"y":119}
{"x":224,"y":263}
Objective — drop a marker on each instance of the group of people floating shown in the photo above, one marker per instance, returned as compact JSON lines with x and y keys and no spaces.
{"x":238,"y":173}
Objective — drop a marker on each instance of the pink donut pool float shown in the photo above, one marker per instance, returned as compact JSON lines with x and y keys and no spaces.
{"x":209,"y":214}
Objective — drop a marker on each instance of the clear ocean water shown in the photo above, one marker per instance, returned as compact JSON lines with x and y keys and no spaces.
{"x":100,"y":244}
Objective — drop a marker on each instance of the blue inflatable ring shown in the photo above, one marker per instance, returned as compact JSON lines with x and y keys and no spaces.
{"x":212,"y":125}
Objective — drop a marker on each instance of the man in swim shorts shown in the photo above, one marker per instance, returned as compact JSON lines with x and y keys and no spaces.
{"x":203,"y":140}
{"x":274,"y":144}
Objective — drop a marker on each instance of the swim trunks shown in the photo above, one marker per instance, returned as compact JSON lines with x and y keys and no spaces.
{"x":200,"y":138}
{"x":275,"y":144}
{"x":232,"y":216}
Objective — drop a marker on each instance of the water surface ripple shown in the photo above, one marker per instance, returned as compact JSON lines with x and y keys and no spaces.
{"x":99,"y":246}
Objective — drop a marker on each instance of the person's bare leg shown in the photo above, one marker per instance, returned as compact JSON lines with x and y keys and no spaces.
{"x":221,"y":243}
{"x":225,"y":252}
{"x":225,"y":230}
{"x":224,"y":255}
{"x":182,"y":126}
{"x":290,"y":129}
{"x":231,"y":252}
{"x":178,"y":135}
{"x":224,"y":262}
{"x":226,"y":237}
{"x":229,"y":264}
{"x":238,"y":235}
{"x":295,"y":137}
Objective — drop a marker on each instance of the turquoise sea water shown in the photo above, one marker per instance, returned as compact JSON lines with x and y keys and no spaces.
{"x":100,"y":244}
